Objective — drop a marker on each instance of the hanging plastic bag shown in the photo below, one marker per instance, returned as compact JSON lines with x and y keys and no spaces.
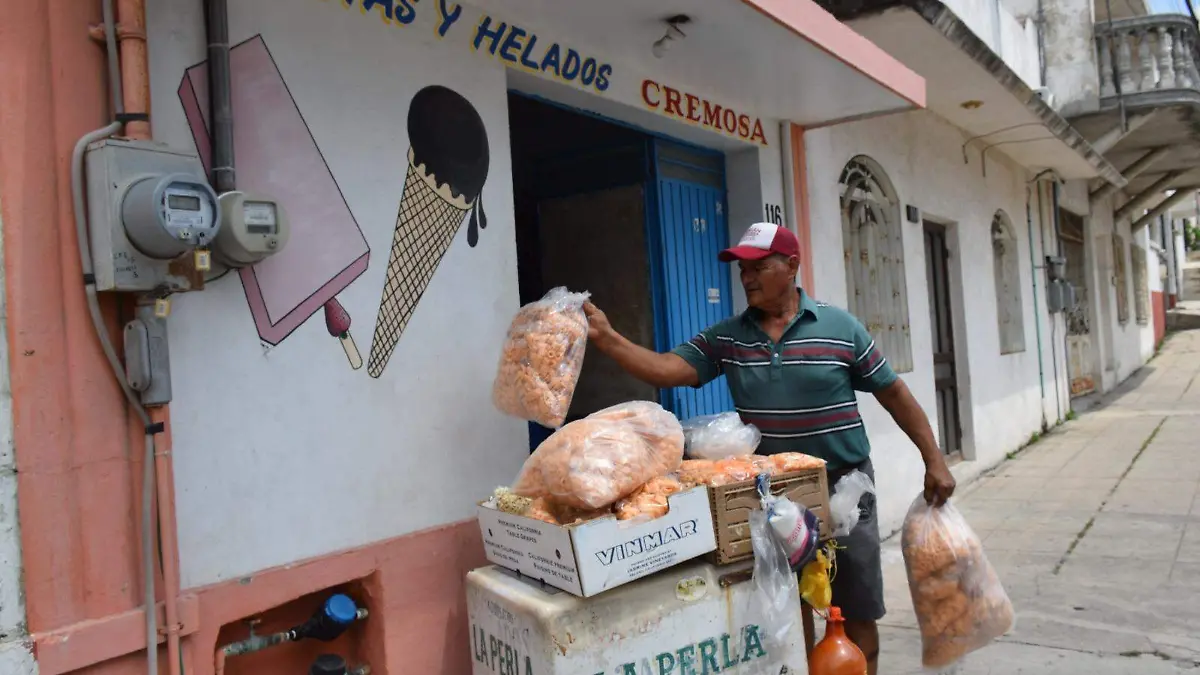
{"x":720,"y":436}
{"x":542,"y":358}
{"x":960,"y":603}
{"x":816,"y":580}
{"x":843,"y":504}
{"x":797,"y":528}
{"x":776,"y":591}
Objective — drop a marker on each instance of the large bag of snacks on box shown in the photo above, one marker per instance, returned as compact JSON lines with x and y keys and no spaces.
{"x":595,"y":461}
{"x":541,"y":359}
{"x":960,"y":603}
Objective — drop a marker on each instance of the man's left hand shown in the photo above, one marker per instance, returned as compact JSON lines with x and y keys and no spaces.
{"x":939,"y":484}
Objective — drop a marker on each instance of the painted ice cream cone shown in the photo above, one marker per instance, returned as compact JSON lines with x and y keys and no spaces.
{"x":447,"y":166}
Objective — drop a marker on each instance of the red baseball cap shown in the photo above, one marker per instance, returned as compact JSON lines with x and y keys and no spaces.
{"x":760,"y":241}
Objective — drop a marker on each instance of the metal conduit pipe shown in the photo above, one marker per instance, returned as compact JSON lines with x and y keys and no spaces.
{"x":1037,"y":317}
{"x":124,"y":35}
{"x":1053,"y":320}
{"x":1058,"y":250}
{"x":216,"y":23}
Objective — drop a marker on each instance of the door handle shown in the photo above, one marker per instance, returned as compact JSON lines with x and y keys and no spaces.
{"x":699,"y":225}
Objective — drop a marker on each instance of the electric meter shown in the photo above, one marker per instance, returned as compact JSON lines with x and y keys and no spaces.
{"x":253,"y":228}
{"x":166,"y":216}
{"x":148,"y":205}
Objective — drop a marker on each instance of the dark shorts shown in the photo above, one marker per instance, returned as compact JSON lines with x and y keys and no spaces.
{"x":858,"y":585}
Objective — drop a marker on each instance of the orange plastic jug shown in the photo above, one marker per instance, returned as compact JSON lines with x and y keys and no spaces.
{"x":835,"y":654}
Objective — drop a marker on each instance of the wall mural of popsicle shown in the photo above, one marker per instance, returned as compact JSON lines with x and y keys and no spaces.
{"x":447,"y":166}
{"x":277,"y":155}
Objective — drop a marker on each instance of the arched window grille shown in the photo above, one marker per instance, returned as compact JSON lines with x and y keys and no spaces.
{"x":873,"y":243}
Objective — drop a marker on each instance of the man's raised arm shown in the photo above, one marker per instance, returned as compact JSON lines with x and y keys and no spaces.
{"x":660,"y":370}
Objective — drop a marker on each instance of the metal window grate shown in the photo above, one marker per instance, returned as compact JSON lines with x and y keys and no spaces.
{"x":873,"y":243}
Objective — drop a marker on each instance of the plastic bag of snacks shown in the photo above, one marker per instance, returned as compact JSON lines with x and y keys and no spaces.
{"x":593,"y":462}
{"x":541,"y":359}
{"x":960,"y":603}
{"x":720,"y":436}
{"x":655,"y":425}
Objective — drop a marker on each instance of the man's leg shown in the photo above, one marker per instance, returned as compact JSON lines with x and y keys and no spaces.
{"x":865,"y":634}
{"x":858,"y":584}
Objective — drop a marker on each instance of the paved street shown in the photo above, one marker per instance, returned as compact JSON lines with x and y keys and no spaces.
{"x":1095,"y":531}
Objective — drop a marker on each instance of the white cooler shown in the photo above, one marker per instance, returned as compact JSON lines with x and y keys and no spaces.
{"x":680,"y":621}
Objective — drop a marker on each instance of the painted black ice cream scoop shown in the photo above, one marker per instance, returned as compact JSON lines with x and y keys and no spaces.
{"x":447,"y":135}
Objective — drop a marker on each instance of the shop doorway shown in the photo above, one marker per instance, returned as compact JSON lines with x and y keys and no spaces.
{"x":634,"y":219}
{"x":941,"y":321}
{"x":1080,"y":345}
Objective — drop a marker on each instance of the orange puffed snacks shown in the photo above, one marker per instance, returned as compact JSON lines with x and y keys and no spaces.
{"x":795,"y":461}
{"x":541,"y":359}
{"x":961,"y":605}
{"x":591,"y":463}
{"x":650,"y":500}
{"x":715,"y":473}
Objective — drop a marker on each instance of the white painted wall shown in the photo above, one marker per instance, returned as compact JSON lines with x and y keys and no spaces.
{"x":1008,"y":29}
{"x":1122,"y":348}
{"x":1072,"y":72}
{"x":286,"y":453}
{"x":15,"y":654}
{"x":922,"y":156}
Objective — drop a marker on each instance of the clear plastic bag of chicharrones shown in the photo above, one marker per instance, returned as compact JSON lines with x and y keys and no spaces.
{"x":541,"y":359}
{"x":961,"y":605}
{"x":609,"y":455}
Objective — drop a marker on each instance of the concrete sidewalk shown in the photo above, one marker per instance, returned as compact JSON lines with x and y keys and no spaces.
{"x":1095,"y":532}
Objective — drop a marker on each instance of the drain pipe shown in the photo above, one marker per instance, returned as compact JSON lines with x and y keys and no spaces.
{"x":216,"y":22}
{"x":1037,"y":317}
{"x":124,"y":33}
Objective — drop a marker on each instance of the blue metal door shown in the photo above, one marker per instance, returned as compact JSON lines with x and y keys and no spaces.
{"x":695,"y":287}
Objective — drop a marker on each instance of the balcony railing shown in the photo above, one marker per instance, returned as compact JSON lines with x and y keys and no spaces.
{"x":1147,"y":54}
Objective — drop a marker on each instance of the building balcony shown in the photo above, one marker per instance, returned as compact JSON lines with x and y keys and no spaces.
{"x":1149,"y":97}
{"x":1148,"y":61}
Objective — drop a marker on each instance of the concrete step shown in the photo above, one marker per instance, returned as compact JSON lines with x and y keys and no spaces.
{"x":1183,"y":320}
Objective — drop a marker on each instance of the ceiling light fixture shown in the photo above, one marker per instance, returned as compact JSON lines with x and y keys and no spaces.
{"x":673,"y":33}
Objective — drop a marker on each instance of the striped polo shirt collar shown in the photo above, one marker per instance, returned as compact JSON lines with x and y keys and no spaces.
{"x":808,"y":306}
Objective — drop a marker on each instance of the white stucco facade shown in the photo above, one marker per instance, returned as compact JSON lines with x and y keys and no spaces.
{"x":1001,"y":402}
{"x":359,"y":459}
{"x":354,"y":458}
{"x":1009,"y":29}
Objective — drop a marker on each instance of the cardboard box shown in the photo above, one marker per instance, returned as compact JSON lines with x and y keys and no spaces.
{"x":595,"y":556}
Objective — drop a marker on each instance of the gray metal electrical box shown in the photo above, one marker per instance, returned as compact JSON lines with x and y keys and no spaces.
{"x":1069,"y":300}
{"x":1056,"y":267}
{"x":1056,"y":296}
{"x":148,"y":204}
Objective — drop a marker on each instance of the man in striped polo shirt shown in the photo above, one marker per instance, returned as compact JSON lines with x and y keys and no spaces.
{"x":793,"y":366}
